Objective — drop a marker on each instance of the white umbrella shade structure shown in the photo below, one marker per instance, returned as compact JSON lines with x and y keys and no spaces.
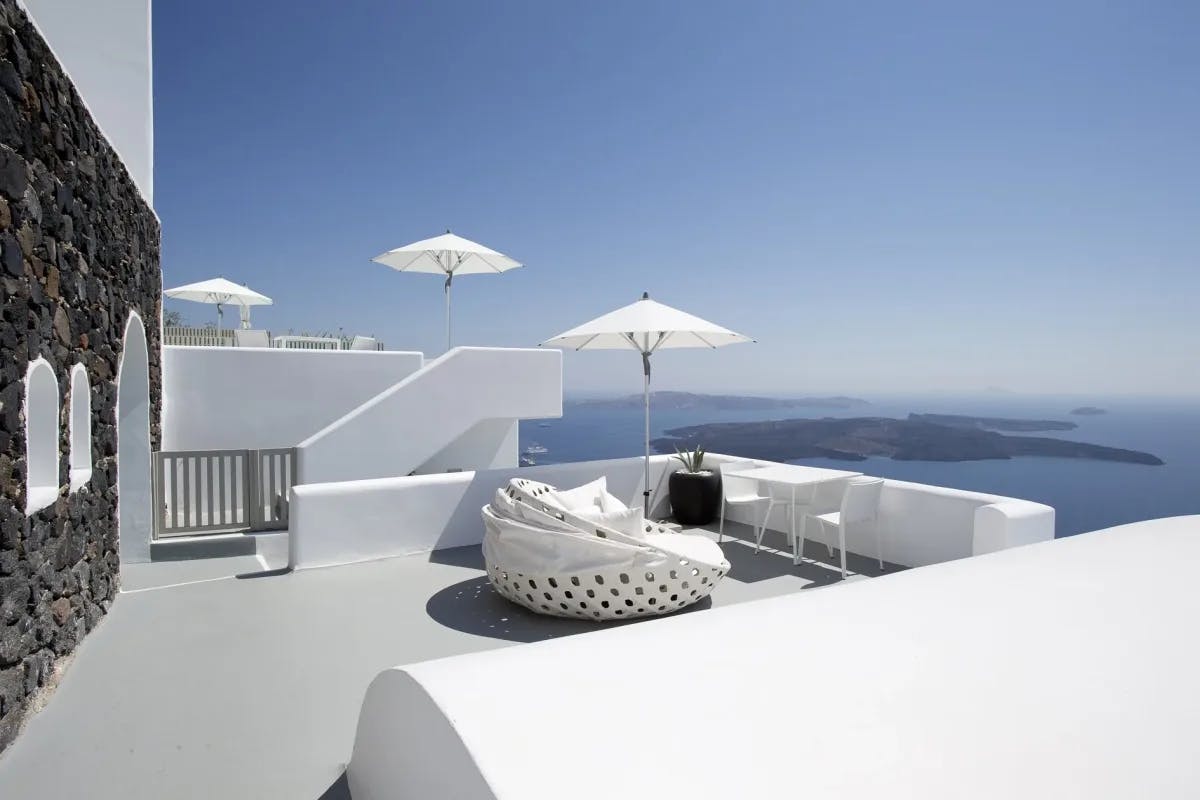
{"x":447,"y":255}
{"x":221,"y":292}
{"x":646,"y":326}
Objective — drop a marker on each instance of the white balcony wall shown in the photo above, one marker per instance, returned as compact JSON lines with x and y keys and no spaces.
{"x":353,"y":521}
{"x":1056,"y":670}
{"x":411,"y":423}
{"x":105,"y":49}
{"x":217,"y":398}
{"x":920,"y":524}
{"x":345,"y":522}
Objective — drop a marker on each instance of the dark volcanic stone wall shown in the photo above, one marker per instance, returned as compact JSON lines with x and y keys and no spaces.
{"x":78,"y":253}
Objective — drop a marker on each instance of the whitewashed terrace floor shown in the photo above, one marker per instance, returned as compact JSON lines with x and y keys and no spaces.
{"x":249,"y":686}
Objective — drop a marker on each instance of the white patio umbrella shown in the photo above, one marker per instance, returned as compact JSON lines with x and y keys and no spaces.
{"x":221,"y":292}
{"x":447,"y":255}
{"x":646,"y":326}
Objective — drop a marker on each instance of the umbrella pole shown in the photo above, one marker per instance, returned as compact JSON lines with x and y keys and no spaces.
{"x":449,"y":279}
{"x":646,"y":399}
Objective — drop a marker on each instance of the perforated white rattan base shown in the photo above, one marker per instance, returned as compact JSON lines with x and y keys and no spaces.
{"x":545,"y":563}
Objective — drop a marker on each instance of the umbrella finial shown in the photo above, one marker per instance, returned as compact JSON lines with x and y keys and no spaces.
{"x":645,"y":295}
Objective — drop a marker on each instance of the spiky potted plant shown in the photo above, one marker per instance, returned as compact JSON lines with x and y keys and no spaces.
{"x":695,"y":491}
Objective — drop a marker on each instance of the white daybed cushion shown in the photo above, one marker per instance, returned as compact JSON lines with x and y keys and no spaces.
{"x":610,"y":503}
{"x":581,"y":498}
{"x":628,"y":521}
{"x":526,"y":501}
{"x":530,"y":550}
{"x":505,"y":506}
{"x":691,"y":546}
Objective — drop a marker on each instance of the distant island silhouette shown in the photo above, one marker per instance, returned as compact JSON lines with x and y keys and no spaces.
{"x":1088,"y":411}
{"x":717,"y":402}
{"x":920,"y":437}
{"x":994,"y":423}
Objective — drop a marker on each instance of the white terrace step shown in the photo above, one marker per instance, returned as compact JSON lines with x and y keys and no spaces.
{"x":219,"y":545}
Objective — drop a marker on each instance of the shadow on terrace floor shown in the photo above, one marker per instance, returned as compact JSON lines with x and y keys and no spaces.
{"x":820,"y":566}
{"x":338,"y":790}
{"x":472,"y":606}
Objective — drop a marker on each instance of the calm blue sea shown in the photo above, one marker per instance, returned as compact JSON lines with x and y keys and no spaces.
{"x":1088,"y":495}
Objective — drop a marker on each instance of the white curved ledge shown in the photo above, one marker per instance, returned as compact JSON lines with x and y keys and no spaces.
{"x":433,"y":762}
{"x":962,"y":679}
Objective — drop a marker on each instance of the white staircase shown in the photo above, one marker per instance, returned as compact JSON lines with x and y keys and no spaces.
{"x":447,"y":403}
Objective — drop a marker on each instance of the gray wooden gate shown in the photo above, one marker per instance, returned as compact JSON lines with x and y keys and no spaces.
{"x":211,"y":491}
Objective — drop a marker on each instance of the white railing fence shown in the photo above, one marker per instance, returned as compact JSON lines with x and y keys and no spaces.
{"x":307,"y":343}
{"x":212,"y":337}
{"x":197,"y":337}
{"x":293,"y":342}
{"x":206,"y":491}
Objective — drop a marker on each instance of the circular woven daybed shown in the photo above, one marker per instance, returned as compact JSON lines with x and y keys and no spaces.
{"x":589,"y":563}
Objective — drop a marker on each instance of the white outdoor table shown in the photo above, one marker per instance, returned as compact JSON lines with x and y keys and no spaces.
{"x":795,"y":476}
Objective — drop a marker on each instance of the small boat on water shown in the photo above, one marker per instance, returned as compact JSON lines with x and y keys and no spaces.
{"x":535,"y":449}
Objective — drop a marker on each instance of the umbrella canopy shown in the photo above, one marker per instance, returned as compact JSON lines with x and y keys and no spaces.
{"x":646,"y":326}
{"x":220,"y":292}
{"x":447,"y":255}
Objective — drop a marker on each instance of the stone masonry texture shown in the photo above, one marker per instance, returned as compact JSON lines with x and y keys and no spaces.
{"x":79,"y":251}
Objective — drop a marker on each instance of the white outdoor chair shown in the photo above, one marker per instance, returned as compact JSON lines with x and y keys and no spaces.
{"x":251,"y":338}
{"x":860,"y":503}
{"x":740,"y":491}
{"x":364,"y":343}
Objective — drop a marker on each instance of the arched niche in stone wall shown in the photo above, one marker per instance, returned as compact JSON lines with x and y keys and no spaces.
{"x":134,"y":502}
{"x":81,"y":427}
{"x":41,"y":435}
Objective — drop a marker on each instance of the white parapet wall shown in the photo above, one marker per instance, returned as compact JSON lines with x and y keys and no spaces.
{"x":217,"y":398}
{"x":920,"y":524}
{"x":1054,"y":670}
{"x":353,"y":521}
{"x":438,"y":407}
{"x":350,"y":521}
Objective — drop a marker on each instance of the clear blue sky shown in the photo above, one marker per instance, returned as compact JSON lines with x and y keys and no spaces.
{"x":888,"y":196}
